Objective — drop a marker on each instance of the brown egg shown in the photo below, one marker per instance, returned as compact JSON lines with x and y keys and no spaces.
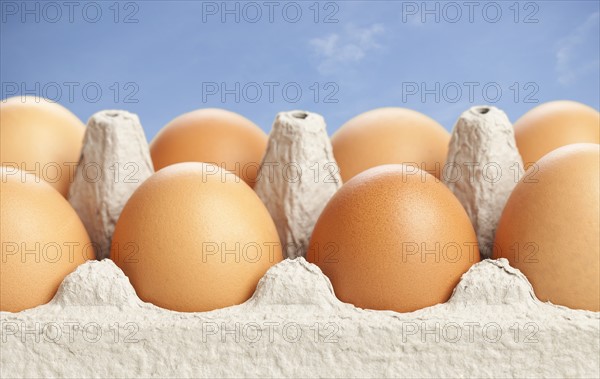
{"x":43,"y":240}
{"x":550,"y":227}
{"x":552,"y":125}
{"x":215,"y":136}
{"x":393,"y":238}
{"x":40,"y":137}
{"x":390,"y":135}
{"x":194,"y":237}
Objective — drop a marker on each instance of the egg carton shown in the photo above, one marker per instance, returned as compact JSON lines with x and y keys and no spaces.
{"x":293,"y":325}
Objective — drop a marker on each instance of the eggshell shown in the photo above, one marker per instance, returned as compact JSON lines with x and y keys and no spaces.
{"x":554,"y":124}
{"x":42,"y":137}
{"x":550,"y":228}
{"x":390,"y":135}
{"x":43,"y":240}
{"x":393,"y":238}
{"x":215,"y":136}
{"x":194,"y":237}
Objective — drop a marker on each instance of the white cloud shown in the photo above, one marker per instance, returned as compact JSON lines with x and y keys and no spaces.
{"x":572,"y":54}
{"x":347,"y":48}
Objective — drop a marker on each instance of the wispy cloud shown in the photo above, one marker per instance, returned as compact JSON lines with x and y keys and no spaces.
{"x":572,"y":54}
{"x":346,"y":48}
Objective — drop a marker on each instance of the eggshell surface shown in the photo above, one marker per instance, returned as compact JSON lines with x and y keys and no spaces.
{"x":42,"y":137}
{"x":550,"y":228}
{"x":390,"y":136}
{"x":194,"y":237}
{"x":554,"y":124}
{"x":215,"y":136}
{"x":43,"y":240}
{"x":393,"y":239}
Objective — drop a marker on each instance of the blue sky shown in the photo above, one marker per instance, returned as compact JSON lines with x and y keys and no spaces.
{"x":160,"y":59}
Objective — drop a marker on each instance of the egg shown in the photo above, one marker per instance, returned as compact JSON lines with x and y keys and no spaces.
{"x":215,"y":136}
{"x":43,"y":240}
{"x":390,"y":135}
{"x":550,"y":229}
{"x":554,"y":124}
{"x":194,"y":237}
{"x":41,"y":137}
{"x":393,"y":238}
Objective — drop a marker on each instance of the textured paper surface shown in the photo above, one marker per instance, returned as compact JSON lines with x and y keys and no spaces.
{"x":114,"y":161}
{"x":298,"y":177}
{"x":482,"y":169}
{"x":294,"y":326}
